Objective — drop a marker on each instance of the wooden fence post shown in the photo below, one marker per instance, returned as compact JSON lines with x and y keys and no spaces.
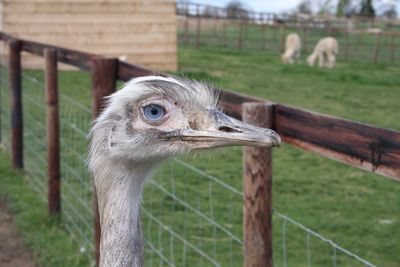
{"x":306,"y":33}
{"x":377,"y":47}
{"x":240,"y":35}
{"x":16,"y":107}
{"x":283,"y":38}
{"x":393,"y":48}
{"x":264,"y":36}
{"x":257,"y":191}
{"x":1,"y":94}
{"x":104,"y":75}
{"x":53,"y":131}
{"x":198,"y":26}
{"x":187,"y":24}
{"x":224,"y":36}
{"x":347,"y":45}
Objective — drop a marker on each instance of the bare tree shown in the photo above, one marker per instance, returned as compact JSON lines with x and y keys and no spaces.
{"x":367,"y":9}
{"x":210,"y":12}
{"x":304,"y":7}
{"x":324,"y":6}
{"x":236,"y":10}
{"x":388,"y":11}
{"x":343,"y":8}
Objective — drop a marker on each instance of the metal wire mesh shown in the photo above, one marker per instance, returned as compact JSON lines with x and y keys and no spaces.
{"x":5,"y":106}
{"x":76,"y":193}
{"x":34,"y":121}
{"x":190,"y":217}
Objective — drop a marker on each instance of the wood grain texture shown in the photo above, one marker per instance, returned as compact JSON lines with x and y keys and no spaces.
{"x":361,"y":145}
{"x":16,"y":103}
{"x":232,"y":102}
{"x":122,"y":27}
{"x":53,"y":131}
{"x":257,"y":191}
{"x":72,"y":57}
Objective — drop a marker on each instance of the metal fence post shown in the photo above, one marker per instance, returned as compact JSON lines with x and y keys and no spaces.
{"x":16,"y":107}
{"x":257,"y":191}
{"x":53,"y":131}
{"x":104,"y":76}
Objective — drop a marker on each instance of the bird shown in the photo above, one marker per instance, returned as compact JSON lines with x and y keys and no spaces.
{"x":149,"y":120}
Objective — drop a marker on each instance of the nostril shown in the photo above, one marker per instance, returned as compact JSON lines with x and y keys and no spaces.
{"x":228,"y":129}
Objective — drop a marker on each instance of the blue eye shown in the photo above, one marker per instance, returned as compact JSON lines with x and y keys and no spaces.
{"x":153,"y":112}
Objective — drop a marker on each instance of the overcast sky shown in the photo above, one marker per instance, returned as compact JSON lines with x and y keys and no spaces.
{"x":274,"y":6}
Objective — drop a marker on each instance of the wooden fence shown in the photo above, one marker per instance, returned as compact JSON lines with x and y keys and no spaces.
{"x":266,"y":32}
{"x":189,"y":9}
{"x":364,"y":146}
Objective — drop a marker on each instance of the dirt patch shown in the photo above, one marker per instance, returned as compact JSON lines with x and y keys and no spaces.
{"x":13,"y":253}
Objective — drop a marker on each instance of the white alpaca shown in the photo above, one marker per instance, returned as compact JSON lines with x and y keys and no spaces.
{"x":326,"y":51}
{"x":292,"y":48}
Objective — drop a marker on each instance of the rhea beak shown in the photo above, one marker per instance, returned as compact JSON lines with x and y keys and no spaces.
{"x":227,"y":131}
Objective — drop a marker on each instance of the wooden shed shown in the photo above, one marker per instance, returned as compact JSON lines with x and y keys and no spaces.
{"x":141,"y":31}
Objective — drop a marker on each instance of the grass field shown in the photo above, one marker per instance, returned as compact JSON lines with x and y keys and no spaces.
{"x":51,"y":245}
{"x":358,"y":210}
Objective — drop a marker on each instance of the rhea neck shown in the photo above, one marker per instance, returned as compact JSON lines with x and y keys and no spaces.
{"x":119,"y":189}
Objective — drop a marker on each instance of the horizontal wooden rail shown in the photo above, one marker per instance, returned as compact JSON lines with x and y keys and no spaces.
{"x":361,"y":145}
{"x":232,"y":102}
{"x":72,"y":57}
{"x":67,"y":56}
{"x":128,"y":71}
{"x":364,"y":146}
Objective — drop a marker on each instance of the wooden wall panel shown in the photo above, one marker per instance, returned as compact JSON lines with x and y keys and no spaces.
{"x":143,"y":31}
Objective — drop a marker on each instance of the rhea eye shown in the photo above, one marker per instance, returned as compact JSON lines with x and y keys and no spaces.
{"x":153,"y":112}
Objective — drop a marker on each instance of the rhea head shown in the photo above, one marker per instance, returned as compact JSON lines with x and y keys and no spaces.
{"x":154,"y":118}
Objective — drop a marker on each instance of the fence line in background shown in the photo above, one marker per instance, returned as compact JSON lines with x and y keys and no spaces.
{"x":292,"y":124}
{"x":268,"y":35}
{"x":191,"y":9}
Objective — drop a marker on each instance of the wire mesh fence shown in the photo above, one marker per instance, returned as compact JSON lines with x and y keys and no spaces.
{"x":35,"y":145}
{"x":76,"y":193}
{"x":190,"y":216}
{"x":357,"y":46}
{"x":5,"y":102}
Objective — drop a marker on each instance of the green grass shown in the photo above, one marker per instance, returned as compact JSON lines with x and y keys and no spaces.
{"x":51,"y":244}
{"x":358,"y":210}
{"x":358,"y":91}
